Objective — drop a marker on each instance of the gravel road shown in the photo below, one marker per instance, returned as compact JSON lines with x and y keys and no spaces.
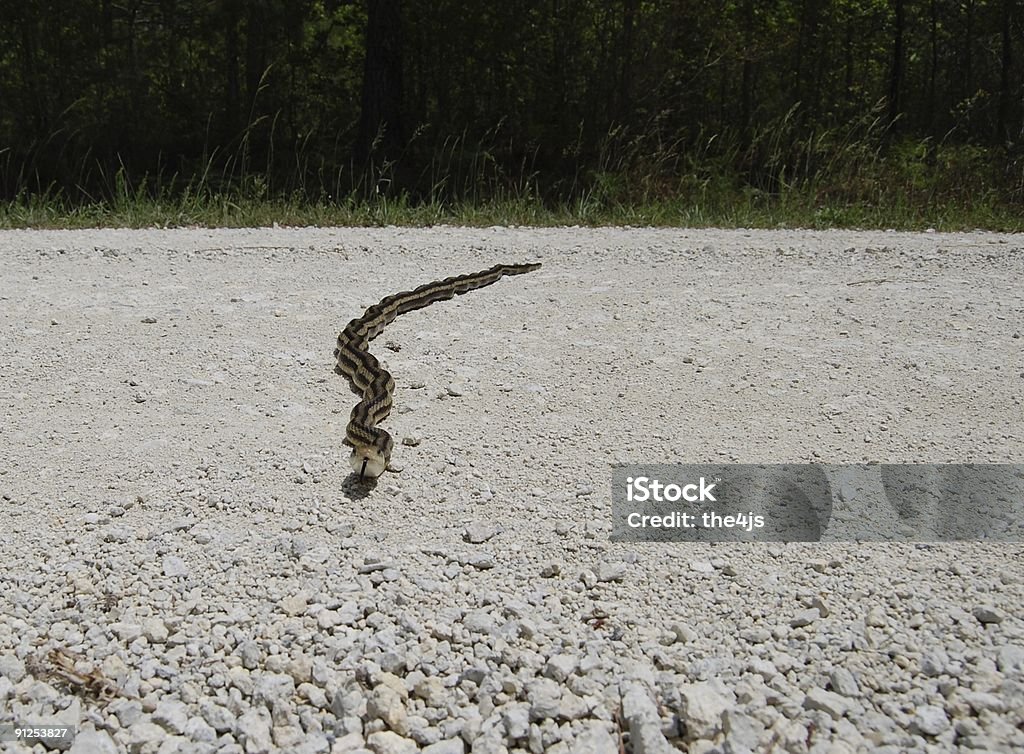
{"x":185,"y":567}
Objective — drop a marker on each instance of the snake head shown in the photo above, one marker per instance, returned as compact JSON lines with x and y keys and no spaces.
{"x":367,"y":462}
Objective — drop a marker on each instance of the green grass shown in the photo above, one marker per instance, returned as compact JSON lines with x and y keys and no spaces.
{"x":856,"y":177}
{"x":737,"y":210}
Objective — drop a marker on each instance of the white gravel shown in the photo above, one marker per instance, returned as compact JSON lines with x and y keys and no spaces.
{"x":175,"y":516}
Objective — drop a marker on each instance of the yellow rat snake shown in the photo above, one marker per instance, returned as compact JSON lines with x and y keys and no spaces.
{"x":371,"y":445}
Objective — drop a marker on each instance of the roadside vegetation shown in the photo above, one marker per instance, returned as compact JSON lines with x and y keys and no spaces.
{"x":855,"y":113}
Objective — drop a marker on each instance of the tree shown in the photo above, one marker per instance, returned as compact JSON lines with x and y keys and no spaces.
{"x":896,"y":71}
{"x":380,"y":121}
{"x":1006,"y":63}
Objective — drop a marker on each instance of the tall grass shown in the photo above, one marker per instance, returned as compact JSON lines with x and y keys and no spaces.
{"x":858,"y":175}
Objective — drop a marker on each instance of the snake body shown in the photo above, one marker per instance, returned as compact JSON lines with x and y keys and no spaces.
{"x":371,"y":445}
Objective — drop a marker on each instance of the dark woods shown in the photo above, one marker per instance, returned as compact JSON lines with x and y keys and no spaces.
{"x":633,"y":101}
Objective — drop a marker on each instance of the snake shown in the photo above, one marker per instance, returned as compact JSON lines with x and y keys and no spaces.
{"x":371,"y":445}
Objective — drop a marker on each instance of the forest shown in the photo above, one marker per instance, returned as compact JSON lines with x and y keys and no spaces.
{"x":822,"y":112}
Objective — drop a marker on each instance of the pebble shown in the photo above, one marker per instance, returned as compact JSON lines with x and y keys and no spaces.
{"x":559,"y":667}
{"x":171,"y":715}
{"x":481,"y":622}
{"x":594,"y":738}
{"x":174,"y":566}
{"x":219,"y":718}
{"x":756,"y":635}
{"x":253,"y":728}
{"x":829,"y":702}
{"x":145,"y":736}
{"x":545,"y":698}
{"x":804,"y":618}
{"x":126,"y":632}
{"x":384,"y":703}
{"x":479,"y":532}
{"x":703,"y":708}
{"x":982,"y":701}
{"x":743,"y":732}
{"x":197,"y":729}
{"x":294,"y":604}
{"x":930,"y":720}
{"x":934,"y":664}
{"x":842,"y":682}
{"x":683,"y":633}
{"x":448,"y":746}
{"x":551,"y":570}
{"x":516,"y":720}
{"x":117,"y":535}
{"x":481,"y":561}
{"x":641,"y":714}
{"x":431,"y":691}
{"x":1010,"y":659}
{"x":90,"y":741}
{"x":611,"y":571}
{"x":250,"y":655}
{"x":127,"y":711}
{"x":987,"y":614}
{"x":475,"y":602}
{"x":12,"y":668}
{"x":389,"y":742}
{"x":876,"y":618}
{"x":273,"y":689}
{"x":155,"y":630}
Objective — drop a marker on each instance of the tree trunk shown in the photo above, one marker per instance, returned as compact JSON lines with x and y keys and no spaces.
{"x":969,"y":49}
{"x":896,"y":73}
{"x":626,"y":76}
{"x":933,"y":68}
{"x":807,"y":55}
{"x":380,"y":123}
{"x":1003,"y":117}
{"x":798,"y":62}
{"x":255,"y":53}
{"x":747,"y":75}
{"x":231,"y":69}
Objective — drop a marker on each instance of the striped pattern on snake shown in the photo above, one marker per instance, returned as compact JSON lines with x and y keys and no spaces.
{"x":371,"y":445}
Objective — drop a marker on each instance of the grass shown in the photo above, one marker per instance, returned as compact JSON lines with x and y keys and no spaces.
{"x":739,"y":209}
{"x":857,"y":177}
